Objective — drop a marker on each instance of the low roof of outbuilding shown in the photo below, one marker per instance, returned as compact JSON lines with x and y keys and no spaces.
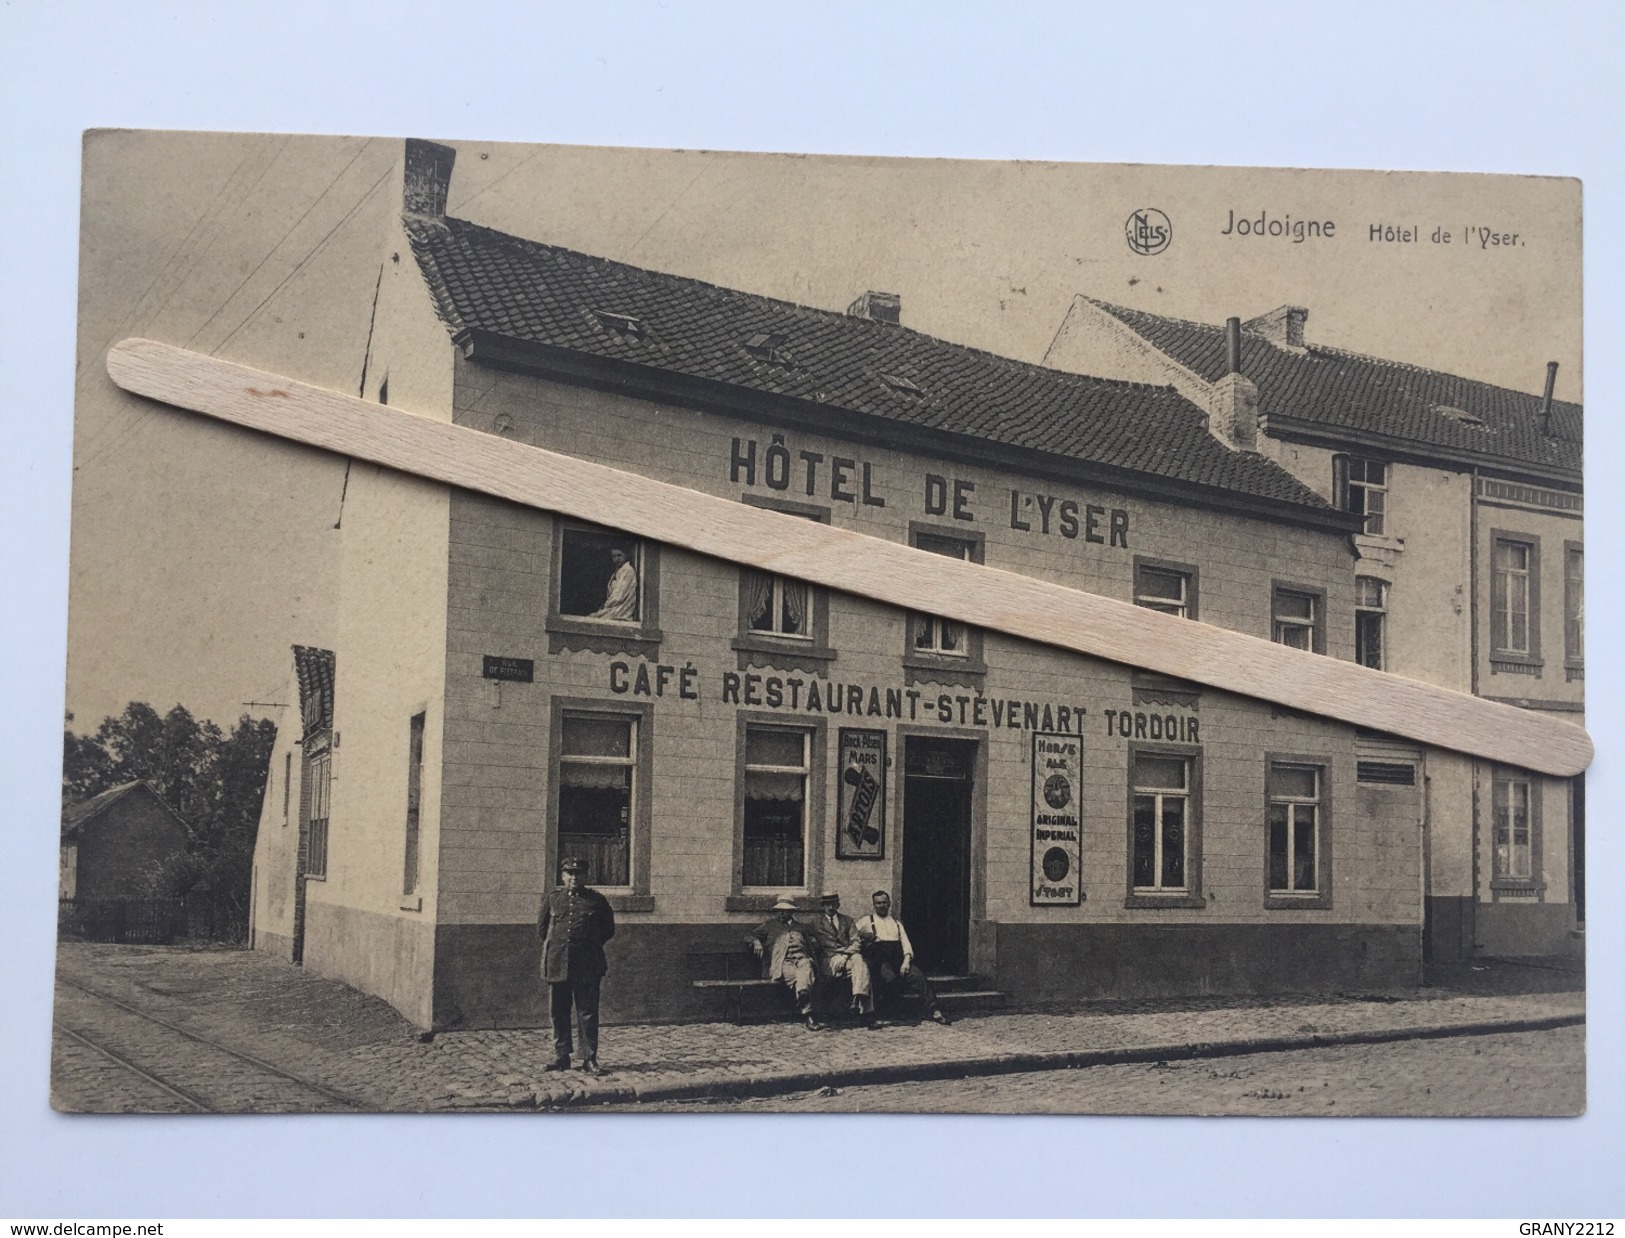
{"x":76,"y":816}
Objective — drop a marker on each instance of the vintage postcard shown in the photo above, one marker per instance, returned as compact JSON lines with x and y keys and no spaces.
{"x":383,"y":794}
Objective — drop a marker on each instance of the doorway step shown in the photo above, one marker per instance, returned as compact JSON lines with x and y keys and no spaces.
{"x":968,"y":994}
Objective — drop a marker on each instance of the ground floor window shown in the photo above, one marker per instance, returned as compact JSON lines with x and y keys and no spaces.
{"x":774,"y":807}
{"x":1513,"y":807}
{"x":320,"y":775}
{"x":1161,"y":822}
{"x":597,"y":785}
{"x":1293,"y":822}
{"x":414,"y":801}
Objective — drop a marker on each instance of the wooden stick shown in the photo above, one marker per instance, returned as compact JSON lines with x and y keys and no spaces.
{"x":840,"y":559}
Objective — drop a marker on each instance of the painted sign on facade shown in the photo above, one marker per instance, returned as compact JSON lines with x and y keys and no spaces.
{"x":861,"y":828}
{"x":1057,"y":829}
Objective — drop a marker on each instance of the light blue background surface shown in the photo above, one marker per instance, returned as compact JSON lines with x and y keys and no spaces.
{"x":1489,"y":88}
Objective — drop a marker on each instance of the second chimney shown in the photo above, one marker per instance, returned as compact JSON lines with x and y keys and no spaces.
{"x":1282,"y":325}
{"x":878,"y":307}
{"x":1546,"y":400}
{"x":427,"y":178}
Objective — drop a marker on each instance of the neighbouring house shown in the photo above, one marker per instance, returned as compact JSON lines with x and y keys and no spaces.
{"x":112,"y":842}
{"x":1467,"y":572}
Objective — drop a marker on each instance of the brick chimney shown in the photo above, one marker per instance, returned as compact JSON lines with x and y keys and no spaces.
{"x":1283,"y":325}
{"x":878,"y":307}
{"x":1232,"y":413}
{"x":427,"y":178}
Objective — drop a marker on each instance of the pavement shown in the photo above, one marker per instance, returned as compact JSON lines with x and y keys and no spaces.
{"x":358,"y":1046}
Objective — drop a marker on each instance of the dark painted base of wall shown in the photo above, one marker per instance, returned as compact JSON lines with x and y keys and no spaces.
{"x":488,"y":975}
{"x":1041,"y":963}
{"x":1459,"y":930}
{"x":1526,"y":929}
{"x":277,"y":945}
{"x":1449,"y":929}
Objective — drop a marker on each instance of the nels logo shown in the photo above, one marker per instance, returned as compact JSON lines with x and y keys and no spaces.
{"x":1148,"y":231}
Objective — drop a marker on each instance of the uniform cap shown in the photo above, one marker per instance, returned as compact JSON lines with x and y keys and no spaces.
{"x":785,"y":904}
{"x":575,"y":864}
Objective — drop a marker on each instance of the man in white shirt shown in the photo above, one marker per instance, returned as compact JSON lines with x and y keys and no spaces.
{"x":891,"y":957}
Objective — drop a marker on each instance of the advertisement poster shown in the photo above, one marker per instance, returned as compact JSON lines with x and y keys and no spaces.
{"x":1057,"y":776}
{"x":861,"y":829}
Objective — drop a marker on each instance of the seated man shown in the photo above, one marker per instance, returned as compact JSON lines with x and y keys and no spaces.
{"x":789,"y":955}
{"x":840,"y":953}
{"x":891,"y":956}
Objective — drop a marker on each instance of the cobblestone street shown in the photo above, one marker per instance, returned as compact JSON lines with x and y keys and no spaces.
{"x":186,"y":1018}
{"x":1521,"y":1074}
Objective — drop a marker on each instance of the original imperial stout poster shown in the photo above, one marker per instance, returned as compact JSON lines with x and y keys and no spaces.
{"x":519,"y":810}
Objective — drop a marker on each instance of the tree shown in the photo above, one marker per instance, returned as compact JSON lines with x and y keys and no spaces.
{"x":215,"y":781}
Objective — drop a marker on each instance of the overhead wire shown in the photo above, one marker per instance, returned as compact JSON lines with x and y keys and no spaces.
{"x":315,"y":250}
{"x":168,"y":262}
{"x":243,"y":283}
{"x":321,"y":244}
{"x":91,"y":448}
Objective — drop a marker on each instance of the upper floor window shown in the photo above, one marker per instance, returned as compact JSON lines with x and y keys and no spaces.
{"x":1361,"y":487}
{"x":776,"y":605}
{"x":1166,"y":587}
{"x":928,"y":633}
{"x":940,"y":648}
{"x":783,"y":620}
{"x":1370,"y":622}
{"x":1298,"y":618}
{"x":1574,"y":605}
{"x":601,"y":576}
{"x":605,"y":594}
{"x":1514,"y":597}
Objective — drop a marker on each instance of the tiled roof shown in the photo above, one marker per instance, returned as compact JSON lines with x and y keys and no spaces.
{"x":542,"y":294}
{"x":1345,"y":390}
{"x":75,"y":815}
{"x":314,"y":670}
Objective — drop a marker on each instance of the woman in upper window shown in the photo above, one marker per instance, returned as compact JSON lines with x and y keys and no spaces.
{"x":621,"y":597}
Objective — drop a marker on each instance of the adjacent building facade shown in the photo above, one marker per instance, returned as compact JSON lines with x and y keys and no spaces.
{"x":1468,"y":573}
{"x":509,"y":687}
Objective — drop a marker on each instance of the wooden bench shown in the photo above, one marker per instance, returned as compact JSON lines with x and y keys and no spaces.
{"x":740,"y":972}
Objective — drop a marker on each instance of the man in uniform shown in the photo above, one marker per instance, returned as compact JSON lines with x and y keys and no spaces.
{"x":789,"y":955}
{"x":891,"y":956}
{"x":575,"y":923}
{"x":840,"y":953}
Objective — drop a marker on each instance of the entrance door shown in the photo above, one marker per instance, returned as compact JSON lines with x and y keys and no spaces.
{"x":935,"y":898}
